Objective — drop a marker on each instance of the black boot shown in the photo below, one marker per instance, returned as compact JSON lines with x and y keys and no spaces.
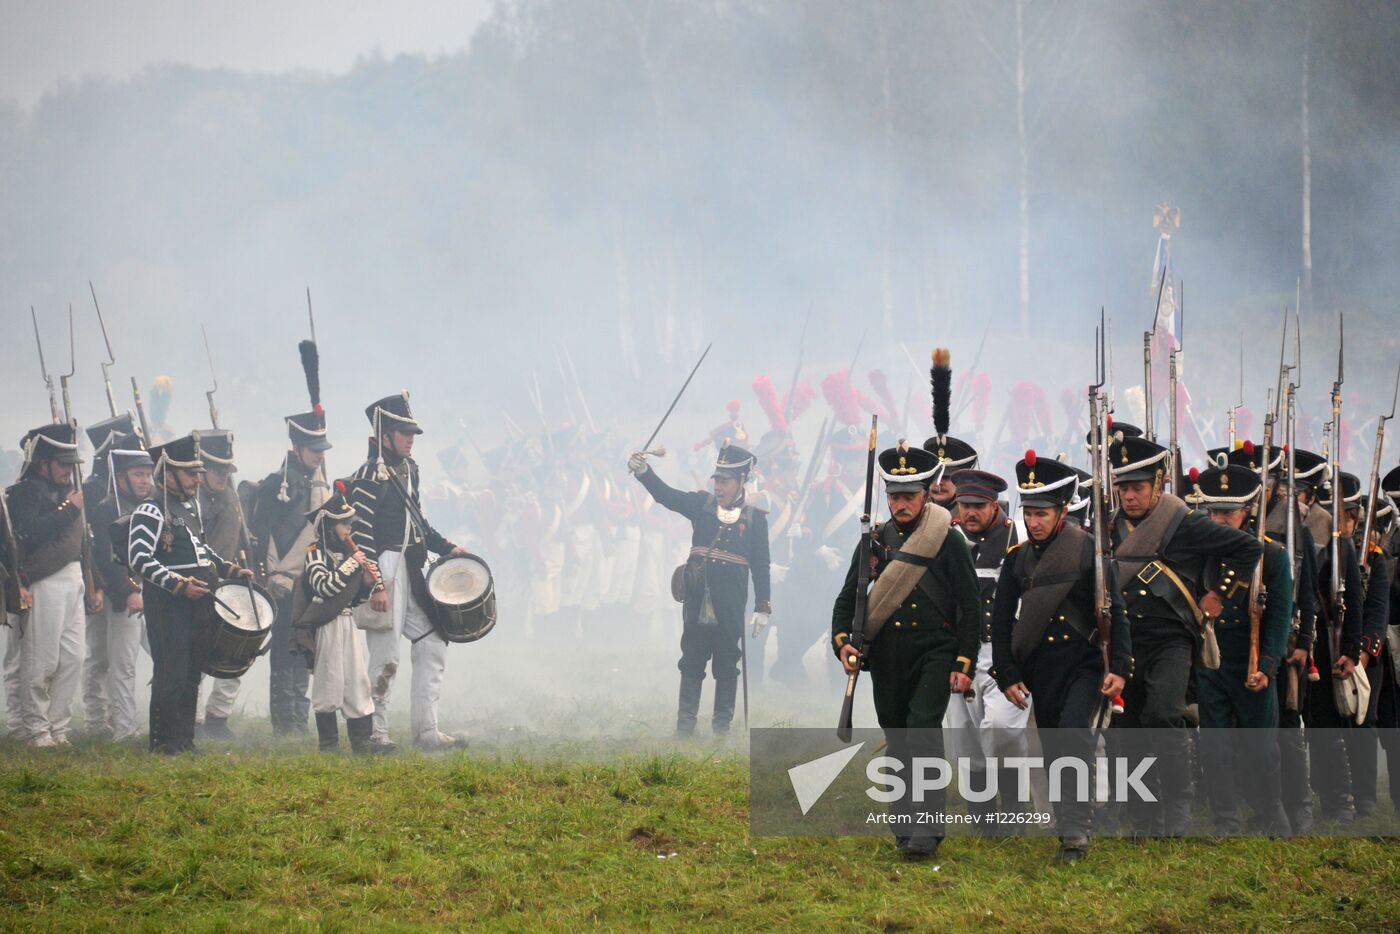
{"x":725,"y":691}
{"x":689,"y":707}
{"x":360,"y":729}
{"x":329,"y":731}
{"x":217,"y":728}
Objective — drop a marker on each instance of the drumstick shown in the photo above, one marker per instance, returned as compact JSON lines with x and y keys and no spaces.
{"x":253,"y":599}
{"x":236,"y":614}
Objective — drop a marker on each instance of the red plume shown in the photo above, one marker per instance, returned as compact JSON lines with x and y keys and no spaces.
{"x":882,"y":389}
{"x":800,"y":400}
{"x":1195,"y":474}
{"x":733,"y":408}
{"x":837,"y":390}
{"x":1248,"y":448}
{"x":340,"y":487}
{"x":768,"y":401}
{"x":1030,"y":458}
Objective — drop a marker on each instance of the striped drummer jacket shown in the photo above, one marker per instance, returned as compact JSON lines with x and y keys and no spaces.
{"x":381,"y":519}
{"x":166,"y":550}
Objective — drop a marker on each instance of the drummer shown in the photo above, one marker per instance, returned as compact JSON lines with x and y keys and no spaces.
{"x":337,"y":578}
{"x":176,"y":570}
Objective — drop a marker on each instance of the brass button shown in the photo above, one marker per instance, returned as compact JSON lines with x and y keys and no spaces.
{"x":913,"y":606}
{"x":896,"y":624}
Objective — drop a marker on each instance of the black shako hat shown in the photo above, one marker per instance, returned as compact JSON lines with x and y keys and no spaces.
{"x":393,"y":414}
{"x":102,"y":433}
{"x":1309,"y":469}
{"x":977,"y":486}
{"x":126,"y":452}
{"x":951,"y":452}
{"x":51,"y":442}
{"x":183,"y":453}
{"x":308,"y":430}
{"x":733,"y":461}
{"x":1136,"y":458}
{"x":908,"y":470}
{"x":1045,"y":483}
{"x":1224,"y":488}
{"x":216,"y":448}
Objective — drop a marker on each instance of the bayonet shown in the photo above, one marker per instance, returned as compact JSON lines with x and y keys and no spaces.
{"x":797,"y":370}
{"x":209,"y":355}
{"x":141,"y":412}
{"x":111,"y":357}
{"x":44,"y":369}
{"x":72,"y":371}
{"x":310,"y":316}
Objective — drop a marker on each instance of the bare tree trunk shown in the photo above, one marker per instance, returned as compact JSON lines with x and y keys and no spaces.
{"x":1025,"y":169}
{"x":1305,"y":299}
{"x":887,"y":122}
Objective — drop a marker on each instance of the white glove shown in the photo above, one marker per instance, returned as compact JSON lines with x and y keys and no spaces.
{"x":830,"y":557}
{"x":759,"y":623}
{"x":637,"y":464}
{"x":794,"y":530}
{"x":777,"y":572}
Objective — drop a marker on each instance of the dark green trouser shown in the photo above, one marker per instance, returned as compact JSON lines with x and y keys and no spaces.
{"x":1239,"y":748}
{"x":289,"y":677}
{"x":909,"y":680}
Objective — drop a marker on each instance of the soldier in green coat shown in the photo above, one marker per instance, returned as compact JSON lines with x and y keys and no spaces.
{"x":922,"y":629}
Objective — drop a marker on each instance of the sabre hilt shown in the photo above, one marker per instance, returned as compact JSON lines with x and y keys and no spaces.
{"x":658,"y":451}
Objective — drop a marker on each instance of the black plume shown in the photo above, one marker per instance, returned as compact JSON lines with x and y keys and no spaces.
{"x":941,"y":384}
{"x":311,"y":364}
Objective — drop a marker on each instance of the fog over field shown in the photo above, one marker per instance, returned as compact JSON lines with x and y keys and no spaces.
{"x":534,"y":216}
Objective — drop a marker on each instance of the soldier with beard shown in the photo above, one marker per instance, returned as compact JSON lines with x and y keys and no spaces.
{"x":278,"y":517}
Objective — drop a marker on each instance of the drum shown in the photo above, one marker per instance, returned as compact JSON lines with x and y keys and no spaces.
{"x":464,"y":597}
{"x":241,"y":624}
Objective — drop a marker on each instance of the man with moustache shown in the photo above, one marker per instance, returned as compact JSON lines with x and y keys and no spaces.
{"x":922,"y":630}
{"x":986,"y":723}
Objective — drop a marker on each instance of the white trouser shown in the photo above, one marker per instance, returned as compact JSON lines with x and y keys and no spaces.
{"x":428,"y":654}
{"x":222,"y":693}
{"x":987,"y":724}
{"x":340,"y":678}
{"x":12,"y":718}
{"x":51,"y":654}
{"x":109,"y":671}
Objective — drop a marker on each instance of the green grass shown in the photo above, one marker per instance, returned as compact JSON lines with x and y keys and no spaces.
{"x":102,"y":837}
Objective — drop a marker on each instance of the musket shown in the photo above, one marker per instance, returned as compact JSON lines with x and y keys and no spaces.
{"x":857,"y":642}
{"x":1098,"y":444}
{"x":671,"y":408}
{"x":1293,"y":685}
{"x":578,"y":389}
{"x":1334,"y":470}
{"x":1374,"y":491}
{"x":800,"y":506}
{"x":1172,"y":444}
{"x":44,"y":369}
{"x":141,"y":411}
{"x":209,"y":355}
{"x":1240,"y":404}
{"x":1283,"y":367}
{"x":90,"y":588}
{"x":797,"y":370}
{"x":1258,"y":593}
{"x":964,"y":397}
{"x":1147,"y":430}
{"x":111,"y":357}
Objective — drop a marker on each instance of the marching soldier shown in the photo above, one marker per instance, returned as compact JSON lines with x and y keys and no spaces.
{"x":954,"y":455}
{"x":114,"y":644}
{"x":986,"y":723}
{"x":1361,"y":740}
{"x":1045,"y":639}
{"x":1388,"y":707}
{"x":1292,"y":682}
{"x":46,"y":512}
{"x":1231,"y":696}
{"x":1329,"y":772}
{"x":1161,"y":550}
{"x":392,"y":532}
{"x":224,"y":531}
{"x":97,"y":487}
{"x":278,"y":517}
{"x":177,"y":571}
{"x":337,"y":578}
{"x":728,"y":543}
{"x":922,"y":631}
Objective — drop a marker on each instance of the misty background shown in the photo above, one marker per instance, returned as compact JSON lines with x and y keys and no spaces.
{"x":467,"y":189}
